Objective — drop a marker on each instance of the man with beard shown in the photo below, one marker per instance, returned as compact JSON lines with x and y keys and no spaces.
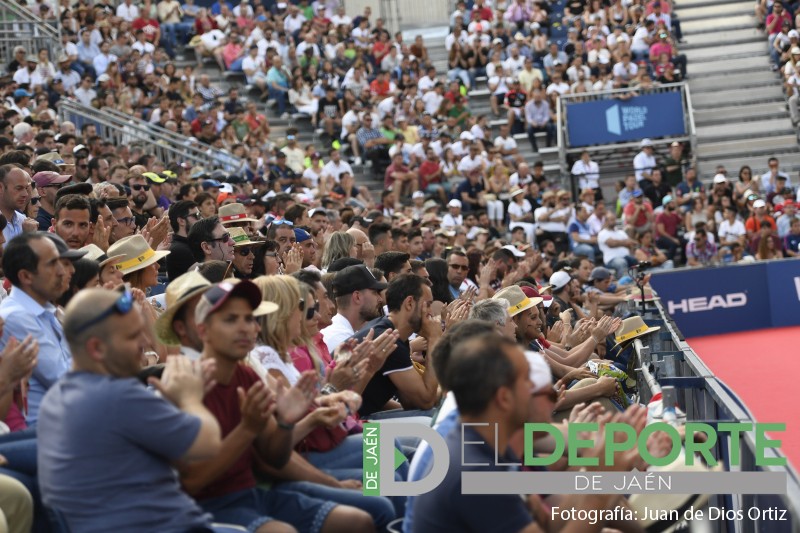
{"x":139,"y":186}
{"x":33,"y":266}
{"x":209,"y":241}
{"x":243,"y":253}
{"x":358,"y":300}
{"x":126,"y":224}
{"x":47,"y":185}
{"x":182,"y":217}
{"x":408,"y":298}
{"x":457,"y":268}
{"x":308,"y":247}
{"x":71,"y":220}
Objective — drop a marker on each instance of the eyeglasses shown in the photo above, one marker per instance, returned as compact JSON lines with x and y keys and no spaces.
{"x":283,"y":222}
{"x":459,"y":267}
{"x":127,"y":221}
{"x":122,"y":306}
{"x":244,"y":251}
{"x":140,"y":187}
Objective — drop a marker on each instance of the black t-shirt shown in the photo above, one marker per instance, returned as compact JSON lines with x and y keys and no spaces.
{"x":446,"y":509}
{"x":380,"y":388}
{"x":328,"y":108}
{"x":516,"y":98}
{"x":655,"y":193}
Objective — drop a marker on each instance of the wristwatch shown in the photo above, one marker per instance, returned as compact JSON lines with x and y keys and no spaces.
{"x":328,"y":389}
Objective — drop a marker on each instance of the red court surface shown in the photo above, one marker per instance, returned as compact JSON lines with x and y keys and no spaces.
{"x":760,"y":368}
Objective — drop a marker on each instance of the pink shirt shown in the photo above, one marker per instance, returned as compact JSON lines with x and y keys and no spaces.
{"x":660,"y":48}
{"x":302,"y":360}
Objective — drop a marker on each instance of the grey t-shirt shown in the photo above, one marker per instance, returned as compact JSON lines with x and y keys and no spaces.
{"x":104,"y":450}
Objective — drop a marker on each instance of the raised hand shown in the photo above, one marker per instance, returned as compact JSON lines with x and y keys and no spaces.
{"x":292,"y":405}
{"x":182,"y":381}
{"x":101,"y":234}
{"x":256,"y":406}
{"x":293,"y":260}
{"x":18,"y":359}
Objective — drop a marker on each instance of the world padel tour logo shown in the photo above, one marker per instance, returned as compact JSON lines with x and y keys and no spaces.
{"x":621,"y":119}
{"x":680,"y":471}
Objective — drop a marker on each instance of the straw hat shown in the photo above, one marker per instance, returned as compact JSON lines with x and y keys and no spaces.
{"x":636,"y":295}
{"x":136,"y":254}
{"x":241,"y":238}
{"x":179,"y":292}
{"x":515,"y":191}
{"x":95,"y":253}
{"x":234,"y":213}
{"x":517,"y":301}
{"x":632,"y":328}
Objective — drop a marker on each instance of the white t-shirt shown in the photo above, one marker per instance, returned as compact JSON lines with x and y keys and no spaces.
{"x":609,"y":252}
{"x":519,"y":210}
{"x":643,"y":163}
{"x":505,"y":144}
{"x":729,"y":233}
{"x":588,"y":174}
{"x":450,"y":221}
{"x":554,"y":227}
{"x":332,"y":169}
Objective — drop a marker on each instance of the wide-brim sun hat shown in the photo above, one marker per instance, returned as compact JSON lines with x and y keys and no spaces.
{"x":136,"y":254}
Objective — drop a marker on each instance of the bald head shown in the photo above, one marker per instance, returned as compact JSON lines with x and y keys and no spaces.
{"x":360,"y":238}
{"x":84,"y":307}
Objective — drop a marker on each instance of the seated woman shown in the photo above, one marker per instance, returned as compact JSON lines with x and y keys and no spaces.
{"x":647,"y":251}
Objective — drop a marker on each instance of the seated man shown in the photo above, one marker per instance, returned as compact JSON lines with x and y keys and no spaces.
{"x":700,"y":251}
{"x":519,"y":390}
{"x":408,"y":299}
{"x":99,"y":425}
{"x":257,"y":426}
{"x":616,"y":246}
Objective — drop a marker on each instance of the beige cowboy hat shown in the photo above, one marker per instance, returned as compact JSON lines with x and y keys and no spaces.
{"x":515,"y":191}
{"x":632,"y":328}
{"x":179,"y":292}
{"x":136,"y":254}
{"x":231,"y":213}
{"x":517,"y":301}
{"x":95,"y":253}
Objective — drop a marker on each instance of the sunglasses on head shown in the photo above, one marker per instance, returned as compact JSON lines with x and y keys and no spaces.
{"x":121,"y":306}
{"x":140,"y":187}
{"x":283,"y":222}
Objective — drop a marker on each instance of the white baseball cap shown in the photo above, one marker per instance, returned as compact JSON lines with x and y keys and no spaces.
{"x":454,"y":203}
{"x":513,"y":249}
{"x":720,"y":178}
{"x":559,"y":280}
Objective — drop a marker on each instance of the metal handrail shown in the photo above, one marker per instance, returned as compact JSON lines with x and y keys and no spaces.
{"x":707,"y":399}
{"x":603,"y":95}
{"x":24,"y":15}
{"x":20,"y":27}
{"x":692,"y":131}
{"x":166,"y":145}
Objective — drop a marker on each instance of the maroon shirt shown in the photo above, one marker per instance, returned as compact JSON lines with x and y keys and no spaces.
{"x":223,"y":402}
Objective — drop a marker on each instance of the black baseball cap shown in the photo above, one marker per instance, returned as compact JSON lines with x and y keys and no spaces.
{"x":355,"y":278}
{"x":344,"y":262}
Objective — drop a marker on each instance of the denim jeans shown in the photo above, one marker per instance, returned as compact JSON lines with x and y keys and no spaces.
{"x":620,"y":265}
{"x":584,"y":249}
{"x":280,"y":99}
{"x":380,"y":508}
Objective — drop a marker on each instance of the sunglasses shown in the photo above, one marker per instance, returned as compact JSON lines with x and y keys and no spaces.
{"x":140,"y":187}
{"x":34,"y":200}
{"x":122,"y":306}
{"x":244,"y":251}
{"x":54,"y":185}
{"x":459,"y":267}
{"x":224,"y":238}
{"x":311,"y":311}
{"x":195,"y":215}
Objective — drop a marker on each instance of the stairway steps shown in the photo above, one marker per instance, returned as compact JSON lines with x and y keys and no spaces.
{"x":713,"y":11}
{"x":715,"y":53}
{"x":718,"y":24}
{"x":745,"y":130}
{"x":790,"y":163}
{"x":742,"y":80}
{"x":721,"y":38}
{"x":737,"y":96}
{"x":747,"y":148}
{"x":739,"y":113}
{"x":749,"y":64}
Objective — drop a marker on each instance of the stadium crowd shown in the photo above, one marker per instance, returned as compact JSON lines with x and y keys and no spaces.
{"x":218,"y":337}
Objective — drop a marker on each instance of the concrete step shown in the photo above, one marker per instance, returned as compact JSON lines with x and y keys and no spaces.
{"x":690,"y":4}
{"x":716,"y":52}
{"x":742,"y":80}
{"x":722,"y":38}
{"x":745,"y":130}
{"x":748,"y":148}
{"x":703,"y":12}
{"x":715,"y":24}
{"x":739,"y":113}
{"x":737,"y":96}
{"x":748,"y":64}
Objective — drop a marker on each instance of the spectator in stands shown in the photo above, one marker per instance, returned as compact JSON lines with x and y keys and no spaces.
{"x":182,"y":216}
{"x":757,"y":218}
{"x":638,"y":214}
{"x":106,"y":345}
{"x":616,"y":246}
{"x":71,"y":221}
{"x":769,"y":178}
{"x":645,"y":161}
{"x":31,"y":264}
{"x":358,"y":301}
{"x":791,"y":243}
{"x":700,"y":251}
{"x":688,"y":190}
